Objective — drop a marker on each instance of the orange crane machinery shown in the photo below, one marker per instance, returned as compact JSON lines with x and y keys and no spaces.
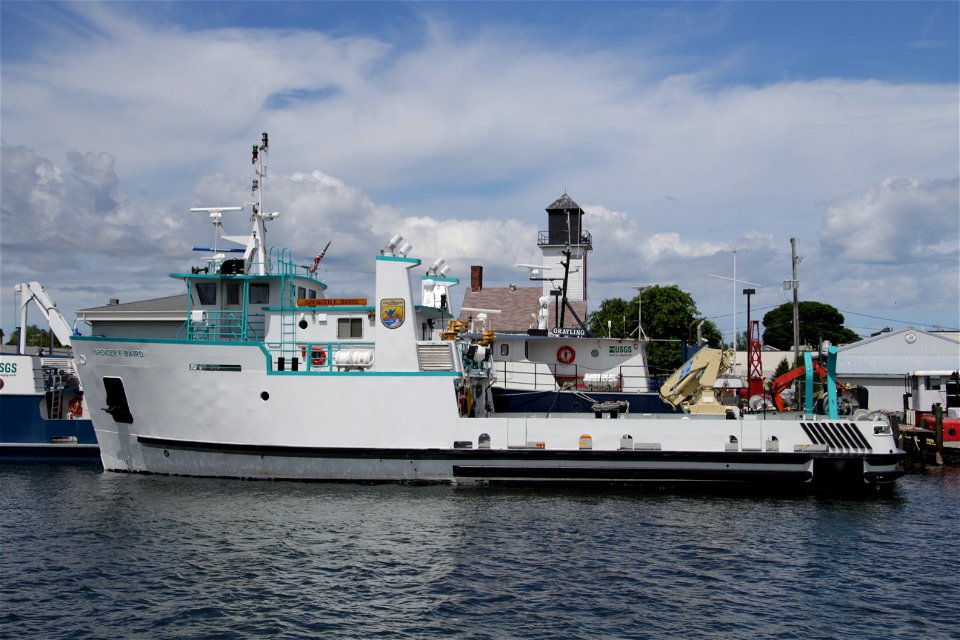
{"x":783,"y":381}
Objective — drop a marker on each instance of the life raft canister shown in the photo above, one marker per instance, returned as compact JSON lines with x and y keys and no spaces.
{"x":566,"y":354}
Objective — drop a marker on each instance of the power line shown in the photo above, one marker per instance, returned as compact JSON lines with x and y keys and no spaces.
{"x":852,"y":313}
{"x":744,"y":312}
{"x":910,"y":322}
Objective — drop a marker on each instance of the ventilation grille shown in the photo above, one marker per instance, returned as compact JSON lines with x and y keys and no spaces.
{"x":838,"y":436}
{"x":435,"y":357}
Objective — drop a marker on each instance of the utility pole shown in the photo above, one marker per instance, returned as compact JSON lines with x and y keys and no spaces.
{"x":796,"y":310}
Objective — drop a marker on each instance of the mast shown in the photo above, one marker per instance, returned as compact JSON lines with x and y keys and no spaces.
{"x":257,"y":253}
{"x":795,"y":284}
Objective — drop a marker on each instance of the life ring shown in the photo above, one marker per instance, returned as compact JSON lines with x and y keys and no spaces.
{"x":76,"y":407}
{"x":318,"y":356}
{"x":566,"y":354}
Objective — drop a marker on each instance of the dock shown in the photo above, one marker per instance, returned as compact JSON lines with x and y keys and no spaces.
{"x":921,"y":446}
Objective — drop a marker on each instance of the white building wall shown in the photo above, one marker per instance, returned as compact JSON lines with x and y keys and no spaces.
{"x":885,"y":394}
{"x":552,"y":259}
{"x":137,"y":329}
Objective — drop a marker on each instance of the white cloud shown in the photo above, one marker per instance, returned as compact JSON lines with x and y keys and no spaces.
{"x":903,"y":219}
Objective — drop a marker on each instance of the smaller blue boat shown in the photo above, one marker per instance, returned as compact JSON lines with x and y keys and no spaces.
{"x":43,"y":415}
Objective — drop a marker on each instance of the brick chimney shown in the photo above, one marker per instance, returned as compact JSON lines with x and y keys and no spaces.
{"x":476,"y":278}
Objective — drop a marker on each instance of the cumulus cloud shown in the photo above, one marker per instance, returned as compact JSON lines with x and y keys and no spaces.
{"x":902,"y":219}
{"x":74,"y":207}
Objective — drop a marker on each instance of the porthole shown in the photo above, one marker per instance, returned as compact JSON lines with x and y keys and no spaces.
{"x":264,"y":395}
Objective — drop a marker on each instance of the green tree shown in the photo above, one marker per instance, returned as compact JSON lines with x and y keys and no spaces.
{"x":781,"y":369}
{"x":616,"y":317}
{"x":36,"y":337}
{"x":669,"y":313}
{"x":818,"y":322}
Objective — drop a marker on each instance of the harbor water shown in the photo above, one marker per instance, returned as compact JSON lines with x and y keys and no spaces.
{"x":88,"y":554}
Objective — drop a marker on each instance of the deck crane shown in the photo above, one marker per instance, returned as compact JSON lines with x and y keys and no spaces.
{"x":691,"y":387}
{"x":34,"y":292}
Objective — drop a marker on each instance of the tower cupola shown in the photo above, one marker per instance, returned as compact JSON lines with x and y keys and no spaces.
{"x":564,"y":233}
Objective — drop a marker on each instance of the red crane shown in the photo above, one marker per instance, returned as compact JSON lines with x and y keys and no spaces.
{"x":783,"y":381}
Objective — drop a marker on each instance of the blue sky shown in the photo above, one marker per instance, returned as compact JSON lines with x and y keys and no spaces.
{"x":685,"y":130}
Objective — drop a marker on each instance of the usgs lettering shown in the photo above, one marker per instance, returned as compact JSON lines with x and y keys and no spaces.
{"x":8,"y":367}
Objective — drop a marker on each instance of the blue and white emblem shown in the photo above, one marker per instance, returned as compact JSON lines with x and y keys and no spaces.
{"x":391,"y":312}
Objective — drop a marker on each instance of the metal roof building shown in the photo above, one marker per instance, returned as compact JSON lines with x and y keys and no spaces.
{"x":882,"y":363}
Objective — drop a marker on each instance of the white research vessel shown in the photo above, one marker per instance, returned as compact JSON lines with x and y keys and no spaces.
{"x":271,"y":379}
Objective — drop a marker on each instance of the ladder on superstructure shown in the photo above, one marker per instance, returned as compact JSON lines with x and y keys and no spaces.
{"x":288,"y":303}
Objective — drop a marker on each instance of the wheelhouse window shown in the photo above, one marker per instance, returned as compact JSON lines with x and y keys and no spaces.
{"x":259,"y":293}
{"x":207,"y":293}
{"x":233,"y":293}
{"x":301,"y":292}
{"x":350,"y":328}
{"x":312,"y":293}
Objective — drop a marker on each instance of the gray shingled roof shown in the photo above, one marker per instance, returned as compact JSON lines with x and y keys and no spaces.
{"x":563,"y":202}
{"x":169,"y":303}
{"x":518,"y":308}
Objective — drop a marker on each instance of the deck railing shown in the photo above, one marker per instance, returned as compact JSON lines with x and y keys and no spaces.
{"x":539,"y":376}
{"x":316,"y":356}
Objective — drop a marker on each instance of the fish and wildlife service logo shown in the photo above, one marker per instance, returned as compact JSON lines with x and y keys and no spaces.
{"x":391,"y":312}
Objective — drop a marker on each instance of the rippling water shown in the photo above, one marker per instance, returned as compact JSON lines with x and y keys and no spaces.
{"x":87,"y":554}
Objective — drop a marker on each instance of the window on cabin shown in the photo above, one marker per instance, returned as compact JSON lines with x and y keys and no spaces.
{"x":233,"y":293}
{"x":259,"y":293}
{"x":504,"y":349}
{"x":932,"y":383}
{"x":313,"y":294}
{"x":350,"y":328}
{"x":207,"y":292}
{"x":301,"y":292}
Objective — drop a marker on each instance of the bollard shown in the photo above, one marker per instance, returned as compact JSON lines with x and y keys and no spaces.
{"x":938,"y":437}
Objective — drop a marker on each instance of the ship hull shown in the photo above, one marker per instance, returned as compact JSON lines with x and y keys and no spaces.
{"x":30,"y":429}
{"x":219,"y":410}
{"x":482,"y":467}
